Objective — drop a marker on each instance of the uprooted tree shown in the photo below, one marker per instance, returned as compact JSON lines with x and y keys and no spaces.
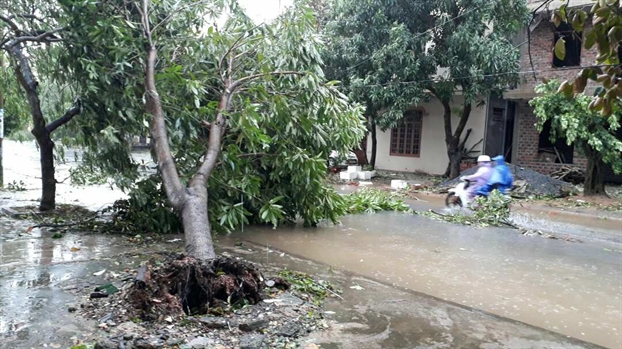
{"x":593,"y":134}
{"x":241,"y":116}
{"x":29,"y":32}
{"x":389,"y":53}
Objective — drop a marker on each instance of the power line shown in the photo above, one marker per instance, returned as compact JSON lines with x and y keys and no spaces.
{"x":440,"y":79}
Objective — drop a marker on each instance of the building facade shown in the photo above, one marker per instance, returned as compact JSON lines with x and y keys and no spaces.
{"x":418,"y":144}
{"x":505,"y":125}
{"x":531,"y":148}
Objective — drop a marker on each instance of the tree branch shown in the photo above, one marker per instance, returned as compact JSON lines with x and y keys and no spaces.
{"x":215,"y":141}
{"x":24,"y":73}
{"x":69,"y":114}
{"x":234,"y":46}
{"x":10,"y":22}
{"x":447,"y":121}
{"x":166,"y":163}
{"x":236,"y":84}
{"x":47,"y":36}
{"x":464,"y":117}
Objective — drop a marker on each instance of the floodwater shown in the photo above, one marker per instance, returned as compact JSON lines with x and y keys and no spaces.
{"x":571,"y":288}
{"x":21,"y":168}
{"x":425,"y":283}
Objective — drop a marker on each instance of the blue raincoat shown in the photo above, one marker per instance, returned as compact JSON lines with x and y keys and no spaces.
{"x":501,"y":178}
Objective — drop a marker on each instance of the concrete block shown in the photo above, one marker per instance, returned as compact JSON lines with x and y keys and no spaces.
{"x":348,"y":176}
{"x":354,"y":168}
{"x":398,"y":184}
{"x":364,"y":174}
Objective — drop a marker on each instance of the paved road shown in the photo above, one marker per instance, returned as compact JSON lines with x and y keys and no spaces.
{"x":571,"y":288}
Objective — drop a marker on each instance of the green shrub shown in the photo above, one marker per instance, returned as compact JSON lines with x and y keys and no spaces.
{"x":373,"y":200}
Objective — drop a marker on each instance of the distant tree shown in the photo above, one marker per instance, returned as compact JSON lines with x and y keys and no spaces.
{"x":29,"y":32}
{"x":387,"y":55}
{"x":593,"y":134}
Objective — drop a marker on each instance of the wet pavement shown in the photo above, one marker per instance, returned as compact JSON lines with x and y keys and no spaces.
{"x":374,"y":315}
{"x":425,"y":284}
{"x":571,"y":288}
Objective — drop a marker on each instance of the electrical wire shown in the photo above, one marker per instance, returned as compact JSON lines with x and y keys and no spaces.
{"x":440,"y":79}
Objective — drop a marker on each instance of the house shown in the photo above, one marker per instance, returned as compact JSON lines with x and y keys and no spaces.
{"x":418,"y":144}
{"x":504,"y":125}
{"x":530,"y":148}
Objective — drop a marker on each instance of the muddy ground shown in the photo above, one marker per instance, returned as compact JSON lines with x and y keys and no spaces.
{"x":407,"y":281}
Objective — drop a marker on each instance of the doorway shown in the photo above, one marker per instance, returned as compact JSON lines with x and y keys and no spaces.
{"x":499,"y":135}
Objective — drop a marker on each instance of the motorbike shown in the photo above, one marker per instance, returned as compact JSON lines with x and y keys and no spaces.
{"x":459,"y":195}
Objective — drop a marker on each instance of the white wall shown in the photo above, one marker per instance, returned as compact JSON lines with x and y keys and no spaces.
{"x":433,"y":155}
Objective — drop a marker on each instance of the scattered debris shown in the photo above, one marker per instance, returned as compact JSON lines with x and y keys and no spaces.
{"x":534,"y":232}
{"x":278,"y":321}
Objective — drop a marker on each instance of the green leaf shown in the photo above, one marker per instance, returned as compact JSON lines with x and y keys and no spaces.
{"x":590,"y":39}
{"x":560,"y":49}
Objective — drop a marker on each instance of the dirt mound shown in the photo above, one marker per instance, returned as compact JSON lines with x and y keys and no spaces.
{"x":526,"y":183}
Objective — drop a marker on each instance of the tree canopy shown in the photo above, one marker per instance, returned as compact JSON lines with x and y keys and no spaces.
{"x":277,"y":126}
{"x":605,"y":33}
{"x":584,"y":127}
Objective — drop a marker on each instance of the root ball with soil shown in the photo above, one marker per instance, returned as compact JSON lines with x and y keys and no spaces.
{"x":185,"y":285}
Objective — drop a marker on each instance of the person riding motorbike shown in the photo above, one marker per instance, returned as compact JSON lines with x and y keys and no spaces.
{"x":479,"y":178}
{"x":500,"y":179}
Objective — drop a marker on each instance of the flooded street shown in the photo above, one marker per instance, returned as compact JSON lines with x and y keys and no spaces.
{"x":570,"y":288}
{"x":422,"y":283}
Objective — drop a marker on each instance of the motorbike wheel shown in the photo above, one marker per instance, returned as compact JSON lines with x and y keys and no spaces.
{"x":453,"y":201}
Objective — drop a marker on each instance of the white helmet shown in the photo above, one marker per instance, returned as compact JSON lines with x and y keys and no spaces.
{"x":483,"y":158}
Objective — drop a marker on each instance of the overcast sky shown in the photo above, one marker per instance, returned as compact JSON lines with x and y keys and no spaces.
{"x":264,"y":10}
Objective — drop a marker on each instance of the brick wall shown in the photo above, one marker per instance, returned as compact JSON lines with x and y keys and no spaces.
{"x":527,"y":143}
{"x":542,"y":44}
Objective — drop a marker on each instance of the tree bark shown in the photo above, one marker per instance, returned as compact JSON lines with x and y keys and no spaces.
{"x":195,"y":220}
{"x":40,"y":130}
{"x":594,"y":175}
{"x":374,"y":143}
{"x":452,"y":138}
{"x":453,"y":168}
{"x":48,"y":181}
{"x":42,"y":136}
{"x":190,"y":202}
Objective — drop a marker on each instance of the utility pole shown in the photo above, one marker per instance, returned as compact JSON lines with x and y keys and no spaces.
{"x":1,"y":138}
{"x":1,"y":130}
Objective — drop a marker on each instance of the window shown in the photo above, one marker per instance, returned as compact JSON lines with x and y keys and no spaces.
{"x":406,"y":137}
{"x":573,"y":46}
{"x":558,"y":152}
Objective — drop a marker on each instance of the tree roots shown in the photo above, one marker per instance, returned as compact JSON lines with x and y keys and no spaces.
{"x":187,"y":285}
